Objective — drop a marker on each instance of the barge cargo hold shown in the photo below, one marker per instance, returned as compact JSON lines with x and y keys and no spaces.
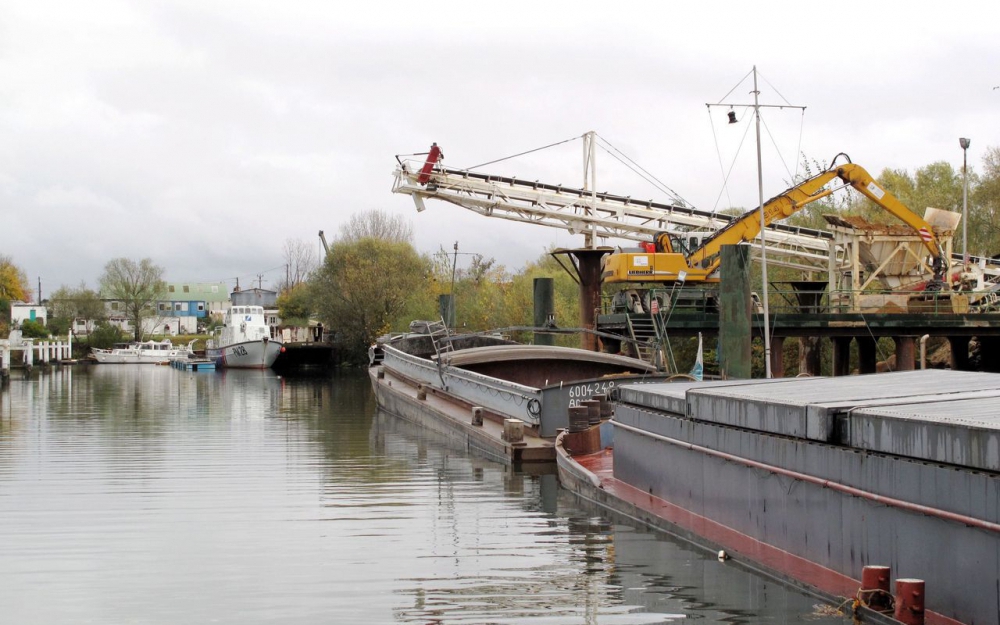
{"x":524,"y":390}
{"x":813,"y":479}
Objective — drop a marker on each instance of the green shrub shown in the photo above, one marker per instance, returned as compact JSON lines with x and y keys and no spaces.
{"x":105,"y":335}
{"x":34,"y":330}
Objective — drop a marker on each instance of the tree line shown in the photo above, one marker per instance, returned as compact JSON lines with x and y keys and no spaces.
{"x":374,"y":281}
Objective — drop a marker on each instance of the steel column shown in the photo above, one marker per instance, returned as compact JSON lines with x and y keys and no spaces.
{"x":544,"y":309}
{"x":959,"y":352}
{"x":778,"y":357}
{"x":867,"y":354}
{"x":734,"y":312}
{"x":842,"y":355}
{"x":905,"y":352}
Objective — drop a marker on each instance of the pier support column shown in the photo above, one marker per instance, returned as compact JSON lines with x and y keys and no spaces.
{"x":587,"y":263}
{"x":544,"y":310}
{"x":959,"y":352}
{"x":905,"y":352}
{"x":446,"y":309}
{"x":989,"y":356}
{"x":810,"y":355}
{"x":734,"y":312}
{"x":778,"y":357}
{"x":841,"y":355}
{"x":867,"y":354}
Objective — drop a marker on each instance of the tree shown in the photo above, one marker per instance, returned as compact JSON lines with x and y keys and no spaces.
{"x":363,"y":286}
{"x":137,"y":286}
{"x":376,"y":224}
{"x":295,"y":305}
{"x":13,"y":281}
{"x":67,"y":304}
{"x":984,"y":207}
{"x":300,"y":262}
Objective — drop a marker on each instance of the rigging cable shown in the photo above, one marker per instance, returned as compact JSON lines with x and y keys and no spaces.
{"x":725,"y":180}
{"x":722,"y":168}
{"x":736,"y":85}
{"x":663,"y":187}
{"x":544,"y":147}
{"x":777,"y":150}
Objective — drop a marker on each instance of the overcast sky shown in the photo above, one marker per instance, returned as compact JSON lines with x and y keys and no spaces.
{"x":204,"y":134}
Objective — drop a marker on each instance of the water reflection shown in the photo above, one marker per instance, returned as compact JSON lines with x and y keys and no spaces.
{"x":149,"y":495}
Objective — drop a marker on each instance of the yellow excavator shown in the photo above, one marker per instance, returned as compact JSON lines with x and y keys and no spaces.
{"x":671,"y":258}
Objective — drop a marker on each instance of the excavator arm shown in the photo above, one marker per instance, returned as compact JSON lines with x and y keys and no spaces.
{"x":747,"y":227}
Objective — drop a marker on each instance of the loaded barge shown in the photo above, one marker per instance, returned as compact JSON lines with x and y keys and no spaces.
{"x":493,"y":397}
{"x":812,"y":480}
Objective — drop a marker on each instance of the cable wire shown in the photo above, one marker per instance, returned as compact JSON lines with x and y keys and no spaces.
{"x":726,"y":180}
{"x":665,"y":188}
{"x":735,"y":86}
{"x":722,"y":168}
{"x":777,"y":149}
{"x":506,"y":158}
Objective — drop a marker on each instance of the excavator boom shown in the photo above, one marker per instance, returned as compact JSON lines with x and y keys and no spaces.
{"x":702,"y":263}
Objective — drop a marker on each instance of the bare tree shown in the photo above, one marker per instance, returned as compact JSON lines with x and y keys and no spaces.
{"x":300,"y":263}
{"x":136,"y":285}
{"x":376,"y":224}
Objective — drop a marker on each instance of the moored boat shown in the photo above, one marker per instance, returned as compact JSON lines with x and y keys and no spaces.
{"x":811,"y":480}
{"x":142,"y":353}
{"x":244,"y":341}
{"x":499,"y":399}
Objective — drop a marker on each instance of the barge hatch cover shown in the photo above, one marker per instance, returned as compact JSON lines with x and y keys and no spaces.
{"x":939,"y":416}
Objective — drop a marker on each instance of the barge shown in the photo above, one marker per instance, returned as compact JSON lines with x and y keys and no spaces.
{"x":498,"y":399}
{"x":811,"y":480}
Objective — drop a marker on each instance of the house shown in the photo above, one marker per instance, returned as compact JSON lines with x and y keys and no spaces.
{"x":21,"y":312}
{"x":255,"y":297}
{"x":213,"y":296}
{"x":184,"y":307}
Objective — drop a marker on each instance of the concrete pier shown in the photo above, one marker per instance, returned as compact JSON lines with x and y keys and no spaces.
{"x":16,"y":350}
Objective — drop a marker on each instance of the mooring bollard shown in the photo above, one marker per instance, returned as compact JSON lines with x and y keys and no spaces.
{"x":606,"y":408}
{"x":594,"y":411}
{"x":513,"y":430}
{"x":477,"y":416}
{"x":421,"y":392}
{"x":909,"y":601}
{"x":579,"y":418}
{"x":874,"y":591}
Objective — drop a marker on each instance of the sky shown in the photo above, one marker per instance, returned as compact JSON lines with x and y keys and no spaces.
{"x":204,"y":135}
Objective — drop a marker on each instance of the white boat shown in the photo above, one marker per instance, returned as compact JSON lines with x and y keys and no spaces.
{"x":244,"y":341}
{"x":142,"y":353}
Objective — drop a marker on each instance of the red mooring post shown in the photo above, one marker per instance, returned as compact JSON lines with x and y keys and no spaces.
{"x":875,"y":587}
{"x":909,"y":601}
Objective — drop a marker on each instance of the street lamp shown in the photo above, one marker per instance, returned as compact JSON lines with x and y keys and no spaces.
{"x":965,"y":200}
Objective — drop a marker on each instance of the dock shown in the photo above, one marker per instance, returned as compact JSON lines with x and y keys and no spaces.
{"x":193,"y":364}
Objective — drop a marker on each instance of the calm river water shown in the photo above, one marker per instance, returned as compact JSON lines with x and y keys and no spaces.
{"x":141,"y":494}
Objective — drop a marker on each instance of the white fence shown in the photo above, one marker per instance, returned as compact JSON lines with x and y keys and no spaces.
{"x":32,"y":351}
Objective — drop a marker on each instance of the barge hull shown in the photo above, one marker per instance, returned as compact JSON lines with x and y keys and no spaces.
{"x":451,"y":418}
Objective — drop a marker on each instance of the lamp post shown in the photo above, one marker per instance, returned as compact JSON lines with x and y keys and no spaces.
{"x":965,"y":199}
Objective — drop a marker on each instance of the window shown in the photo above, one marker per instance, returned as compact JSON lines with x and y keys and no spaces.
{"x":170,"y":288}
{"x":114,"y":305}
{"x":187,"y":289}
{"x":201,"y":306}
{"x":179,"y":306}
{"x":163,"y":306}
{"x":215,"y":288}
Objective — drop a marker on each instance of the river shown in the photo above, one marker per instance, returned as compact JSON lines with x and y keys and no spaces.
{"x":145,"y":495}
